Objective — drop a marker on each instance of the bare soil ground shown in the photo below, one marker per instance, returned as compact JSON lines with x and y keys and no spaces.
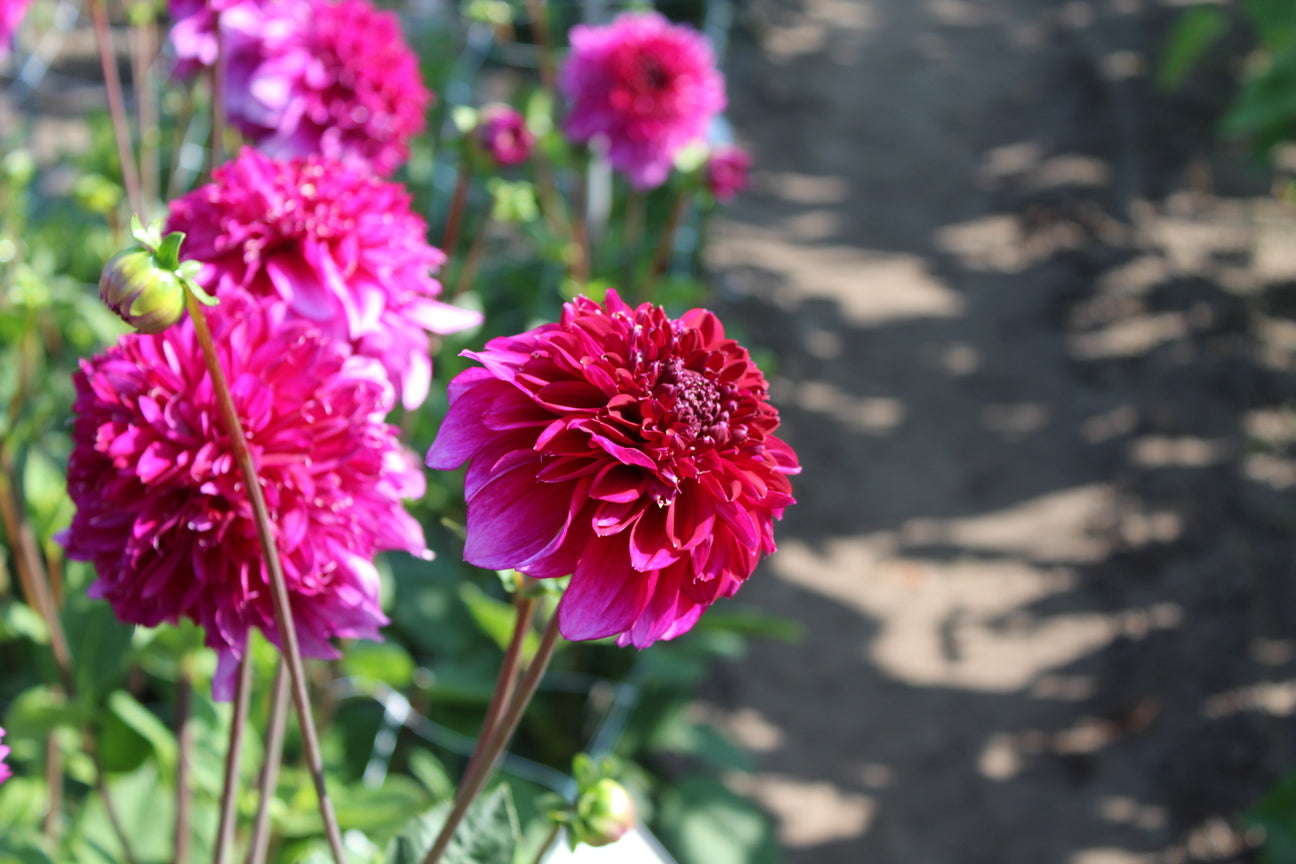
{"x":1037,"y":340}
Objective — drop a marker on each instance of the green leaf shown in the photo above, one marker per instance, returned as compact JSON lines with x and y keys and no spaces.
{"x":38,"y":712}
{"x":1275,"y":813}
{"x":704,"y":822}
{"x":133,"y":720}
{"x":488,"y":834}
{"x":1194,"y":32}
{"x":386,"y":662}
{"x":495,"y":618}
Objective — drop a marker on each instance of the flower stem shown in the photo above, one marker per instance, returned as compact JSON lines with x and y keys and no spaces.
{"x":36,"y":590}
{"x":665,"y":245}
{"x":54,"y":780}
{"x":278,"y":585}
{"x":581,"y":265}
{"x":468,"y":272}
{"x":504,"y":684}
{"x":229,"y":794}
{"x":548,"y":841}
{"x":632,"y":233}
{"x":218,"y":98}
{"x":498,"y":740}
{"x":270,"y":767}
{"x":143,"y":52}
{"x":457,"y":202}
{"x":117,"y":106}
{"x":184,"y":742}
{"x":540,"y":28}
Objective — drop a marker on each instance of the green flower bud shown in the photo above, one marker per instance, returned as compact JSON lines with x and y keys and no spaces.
{"x":604,"y":813}
{"x":145,"y":294}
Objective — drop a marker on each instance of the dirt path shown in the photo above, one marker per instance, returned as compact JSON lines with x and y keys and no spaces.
{"x":1036,"y":352}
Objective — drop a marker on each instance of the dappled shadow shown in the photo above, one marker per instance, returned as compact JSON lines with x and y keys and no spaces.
{"x":1035,"y":349}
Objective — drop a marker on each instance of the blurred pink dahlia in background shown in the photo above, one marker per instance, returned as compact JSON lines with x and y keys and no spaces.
{"x":726,"y":172}
{"x":310,"y":76}
{"x":5,"y":771}
{"x":340,"y":247}
{"x":162,"y":511}
{"x":11,"y":15}
{"x":647,"y":86}
{"x":633,"y":451}
{"x":503,"y":134}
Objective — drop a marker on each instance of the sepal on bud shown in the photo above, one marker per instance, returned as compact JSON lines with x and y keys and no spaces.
{"x":146,"y":283}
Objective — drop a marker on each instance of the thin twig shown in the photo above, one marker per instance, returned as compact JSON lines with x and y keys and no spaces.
{"x":278,"y":585}
{"x":499,"y":740}
{"x":54,"y":779}
{"x":233,"y":756}
{"x":270,"y":766}
{"x":117,"y":106}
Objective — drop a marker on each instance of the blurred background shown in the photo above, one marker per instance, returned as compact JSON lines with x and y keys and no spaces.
{"x":1021,"y":273}
{"x":1028,"y":270}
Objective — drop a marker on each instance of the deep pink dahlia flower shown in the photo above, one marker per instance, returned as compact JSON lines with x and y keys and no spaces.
{"x":647,"y":86}
{"x":5,"y":771}
{"x":11,"y":15}
{"x":633,"y":451}
{"x":310,"y":76}
{"x":161,"y":507}
{"x":726,"y":172}
{"x":339,"y":246}
{"x":504,"y":135}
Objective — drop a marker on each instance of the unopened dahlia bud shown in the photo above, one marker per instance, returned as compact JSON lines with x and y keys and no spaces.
{"x":146,"y":295}
{"x":604,"y":813}
{"x":503,"y":134}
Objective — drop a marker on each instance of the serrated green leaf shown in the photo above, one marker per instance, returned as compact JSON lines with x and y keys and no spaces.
{"x":488,"y":834}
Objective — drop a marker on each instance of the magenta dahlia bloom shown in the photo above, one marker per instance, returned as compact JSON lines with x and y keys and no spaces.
{"x":11,"y":15}
{"x":647,"y":86}
{"x":726,"y":172}
{"x":342,"y":248}
{"x":504,"y":135}
{"x":633,"y":451}
{"x":310,"y":76}
{"x":161,"y":506}
{"x":5,"y":771}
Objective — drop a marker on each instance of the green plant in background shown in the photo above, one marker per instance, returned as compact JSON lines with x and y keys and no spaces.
{"x":121,"y":753}
{"x":1264,"y":109}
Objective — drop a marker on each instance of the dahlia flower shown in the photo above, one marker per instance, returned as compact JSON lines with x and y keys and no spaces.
{"x":726,"y":172}
{"x":647,"y":86}
{"x":11,"y":15}
{"x":504,"y":135}
{"x":161,"y":506}
{"x":5,"y":771}
{"x":310,"y":76}
{"x":630,"y":450}
{"x":339,"y":246}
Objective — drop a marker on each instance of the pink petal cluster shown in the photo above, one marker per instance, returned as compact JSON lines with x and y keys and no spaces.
{"x":504,"y":135}
{"x":11,"y":15}
{"x":633,"y":451}
{"x":339,"y":246}
{"x":310,"y":76}
{"x":5,"y":771}
{"x":726,"y":172}
{"x":648,"y":87}
{"x":161,"y":506}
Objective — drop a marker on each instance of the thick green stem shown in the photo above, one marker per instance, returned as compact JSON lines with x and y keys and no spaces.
{"x":498,"y":741}
{"x":278,"y":585}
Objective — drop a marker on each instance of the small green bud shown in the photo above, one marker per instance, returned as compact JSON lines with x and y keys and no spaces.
{"x":146,"y":295}
{"x":604,"y":813}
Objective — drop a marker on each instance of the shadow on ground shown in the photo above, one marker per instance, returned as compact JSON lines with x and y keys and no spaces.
{"x":1037,"y":350}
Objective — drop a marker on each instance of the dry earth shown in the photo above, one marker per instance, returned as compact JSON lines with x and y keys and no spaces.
{"x":1037,"y":339}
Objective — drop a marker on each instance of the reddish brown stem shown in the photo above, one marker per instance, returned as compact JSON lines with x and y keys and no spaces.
{"x":117,"y":106}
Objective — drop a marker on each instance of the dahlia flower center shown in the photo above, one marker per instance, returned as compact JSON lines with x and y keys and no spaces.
{"x":701,"y":406}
